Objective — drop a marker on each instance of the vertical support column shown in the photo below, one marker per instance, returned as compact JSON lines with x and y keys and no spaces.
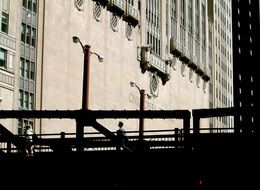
{"x":141,"y":120}
{"x":79,"y":134}
{"x":186,"y":126}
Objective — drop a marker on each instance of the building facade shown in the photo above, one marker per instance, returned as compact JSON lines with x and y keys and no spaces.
{"x":246,"y":46}
{"x":221,"y":42}
{"x":167,"y":47}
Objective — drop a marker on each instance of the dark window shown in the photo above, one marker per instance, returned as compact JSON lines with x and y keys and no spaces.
{"x":4,"y":25}
{"x":23,"y":30}
{"x":34,"y":8}
{"x":20,"y":98}
{"x":26,"y":100}
{"x":28,"y":35}
{"x":33,"y":37}
{"x":32,"y":71}
{"x":25,"y":3}
{"x":22,"y":67}
{"x":131,"y":2}
{"x":26,"y":69}
{"x":30,"y":5}
{"x":3,"y":58}
{"x":31,"y":101}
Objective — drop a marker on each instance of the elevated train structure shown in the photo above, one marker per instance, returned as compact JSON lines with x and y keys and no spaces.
{"x":187,"y":158}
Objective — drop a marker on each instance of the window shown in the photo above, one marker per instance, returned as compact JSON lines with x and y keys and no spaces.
{"x":25,"y":3}
{"x":23,"y":30}
{"x":34,"y":8}
{"x":22,"y":67}
{"x":28,"y":35}
{"x":203,"y":25}
{"x":131,"y":2}
{"x":32,"y":71}
{"x":4,"y":24}
{"x":153,"y":12}
{"x":31,"y":101}
{"x":20,"y":98}
{"x":30,"y":5}
{"x":33,"y":37}
{"x":190,"y":14}
{"x":26,"y":69}
{"x":173,"y":9}
{"x":197,"y":19}
{"x":26,"y":98}
{"x":3,"y":58}
{"x":182,"y":12}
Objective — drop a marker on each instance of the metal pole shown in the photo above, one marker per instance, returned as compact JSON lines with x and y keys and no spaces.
{"x":85,"y":88}
{"x":141,"y":121}
{"x":85,"y":95}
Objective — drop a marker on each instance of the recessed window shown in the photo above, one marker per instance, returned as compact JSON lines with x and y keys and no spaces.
{"x":28,"y":35}
{"x":3,"y":58}
{"x":23,"y":30}
{"x":25,"y":3}
{"x":32,"y":71}
{"x":20,"y":98}
{"x":31,"y":101}
{"x":33,"y":40}
{"x":34,"y":8}
{"x":26,"y":69}
{"x":30,"y":5}
{"x":22,"y":67}
{"x":4,"y":24}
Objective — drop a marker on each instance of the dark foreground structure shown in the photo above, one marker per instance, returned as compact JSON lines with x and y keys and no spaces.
{"x":183,"y":159}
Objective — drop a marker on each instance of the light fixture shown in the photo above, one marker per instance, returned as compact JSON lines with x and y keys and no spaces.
{"x":76,"y":39}
{"x":100,"y":57}
{"x":132,"y":84}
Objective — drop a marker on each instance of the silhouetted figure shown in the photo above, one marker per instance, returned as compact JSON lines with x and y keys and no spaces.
{"x":123,"y":139}
{"x":28,"y":133}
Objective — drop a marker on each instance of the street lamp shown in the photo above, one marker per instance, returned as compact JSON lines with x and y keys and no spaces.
{"x":142,"y":100}
{"x":85,"y":88}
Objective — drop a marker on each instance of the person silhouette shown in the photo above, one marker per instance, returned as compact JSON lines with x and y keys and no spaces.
{"x":123,"y":139}
{"x":28,"y":133}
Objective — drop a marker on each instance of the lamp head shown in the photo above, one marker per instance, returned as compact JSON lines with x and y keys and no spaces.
{"x":75,"y":39}
{"x":149,"y":96}
{"x":132,"y":84}
{"x":101,"y":58}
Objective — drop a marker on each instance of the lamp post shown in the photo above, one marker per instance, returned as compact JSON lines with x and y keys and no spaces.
{"x":85,"y":87}
{"x":142,"y":100}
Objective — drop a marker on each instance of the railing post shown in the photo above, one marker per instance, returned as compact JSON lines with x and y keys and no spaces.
{"x":176,"y":137}
{"x":186,"y":126}
{"x":79,"y":134}
{"x":8,"y":147}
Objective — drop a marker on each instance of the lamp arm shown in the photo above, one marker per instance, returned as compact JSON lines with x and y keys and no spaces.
{"x":138,"y":88}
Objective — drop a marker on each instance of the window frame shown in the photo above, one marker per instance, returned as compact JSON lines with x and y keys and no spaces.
{"x":4,"y":25}
{"x":3,"y":62}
